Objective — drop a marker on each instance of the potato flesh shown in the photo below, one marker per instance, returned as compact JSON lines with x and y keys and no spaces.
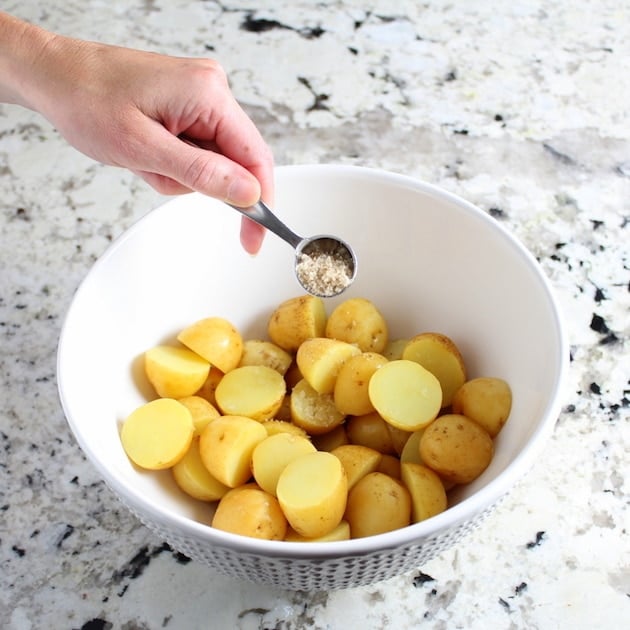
{"x":428,"y":497}
{"x":175,"y":372}
{"x":226,"y":446}
{"x":216,"y":340}
{"x":261,"y":352}
{"x":193,"y":477}
{"x":255,"y":391}
{"x":320,"y":359}
{"x":405,"y":394}
{"x":201,"y":410}
{"x":357,"y":461}
{"x":157,"y":434}
{"x":250,"y":511}
{"x":438,"y":354}
{"x":359,"y":322}
{"x":271,"y":456}
{"x":341,"y":532}
{"x":315,"y":413}
{"x":312,"y":491}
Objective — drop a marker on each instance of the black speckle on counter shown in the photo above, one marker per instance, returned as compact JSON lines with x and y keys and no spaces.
{"x":598,"y":324}
{"x":18,"y":551}
{"x":599,"y":296}
{"x":318,"y":99}
{"x":96,"y":624}
{"x":65,"y":534}
{"x":422,"y":578}
{"x":538,"y":540}
{"x":505,"y":604}
{"x":520,"y":588}
{"x":594,"y":387}
{"x":261,"y":25}
{"x":563,"y":158}
{"x":497,"y":213}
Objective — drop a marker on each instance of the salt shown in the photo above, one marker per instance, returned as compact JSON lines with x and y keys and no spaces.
{"x":325,"y":267}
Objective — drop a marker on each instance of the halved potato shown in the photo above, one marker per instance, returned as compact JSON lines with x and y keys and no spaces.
{"x":315,"y":413}
{"x":175,"y":372}
{"x":331,"y":440}
{"x":351,"y":385}
{"x":358,"y":321}
{"x":262,"y":352}
{"x":216,"y":340}
{"x":428,"y":496}
{"x":296,"y":320}
{"x":201,"y":410}
{"x":193,"y":478}
{"x":372,"y":431}
{"x":357,"y":461}
{"x":341,"y":532}
{"x":438,"y":354}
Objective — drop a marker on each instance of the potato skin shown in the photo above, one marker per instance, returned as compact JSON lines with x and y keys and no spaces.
{"x":295,"y":320}
{"x":358,"y":321}
{"x":486,"y":400}
{"x":456,"y":448}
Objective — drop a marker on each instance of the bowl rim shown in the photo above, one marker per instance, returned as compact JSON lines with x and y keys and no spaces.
{"x":413,"y":534}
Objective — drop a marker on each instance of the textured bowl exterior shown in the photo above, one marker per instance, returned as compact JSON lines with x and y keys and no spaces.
{"x":429,"y":261}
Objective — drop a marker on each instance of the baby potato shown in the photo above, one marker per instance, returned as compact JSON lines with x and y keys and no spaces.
{"x":201,"y":410}
{"x":193,"y":478}
{"x":486,"y":400}
{"x":389,"y":465}
{"x":250,"y":511}
{"x":157,"y":434}
{"x":331,"y":440}
{"x":357,"y":461}
{"x":272,"y":455}
{"x":175,"y":372}
{"x":341,"y":532}
{"x":296,"y":320}
{"x":377,"y":504}
{"x":372,"y":431}
{"x":394,"y":349}
{"x":208,"y":389}
{"x":398,"y":437}
{"x":405,"y":394}
{"x":216,"y":340}
{"x":320,"y":359}
{"x":261,"y":352}
{"x":438,"y":354}
{"x":411,"y":451}
{"x":312,"y":491}
{"x":456,"y":448}
{"x":351,"y":385}
{"x":255,"y":391}
{"x":358,"y":321}
{"x":315,"y":413}
{"x":275,"y":426}
{"x":226,"y":446}
{"x":428,"y":496}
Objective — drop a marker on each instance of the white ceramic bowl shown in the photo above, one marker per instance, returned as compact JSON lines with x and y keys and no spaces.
{"x":429,"y":261}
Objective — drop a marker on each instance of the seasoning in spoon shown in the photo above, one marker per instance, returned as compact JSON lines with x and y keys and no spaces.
{"x":325,"y":267}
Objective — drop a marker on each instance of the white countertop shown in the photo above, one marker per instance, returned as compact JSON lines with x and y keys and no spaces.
{"x":520,"y":109}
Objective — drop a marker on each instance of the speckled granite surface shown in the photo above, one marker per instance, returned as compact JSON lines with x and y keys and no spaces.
{"x":521,"y":108}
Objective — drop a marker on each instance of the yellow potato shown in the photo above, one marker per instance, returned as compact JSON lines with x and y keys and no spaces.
{"x":296,"y":320}
{"x":293,"y":375}
{"x":250,"y":511}
{"x":216,"y":340}
{"x":260,"y":352}
{"x":456,"y":448}
{"x":390,"y":465}
{"x":272,"y":455}
{"x":193,"y":477}
{"x":351,"y":385}
{"x":201,"y":410}
{"x":273,"y":427}
{"x":405,"y":394}
{"x":208,"y":389}
{"x":312,"y":491}
{"x":226,"y":446}
{"x":332,"y":439}
{"x":255,"y":391}
{"x":157,"y":434}
{"x":372,"y":431}
{"x":313,"y":412}
{"x":394,"y":349}
{"x":428,"y":496}
{"x":359,"y":322}
{"x":341,"y":532}
{"x":357,"y":461}
{"x":411,"y":450}
{"x":438,"y":354}
{"x":399,"y":438}
{"x":377,"y":504}
{"x":320,"y":360}
{"x":175,"y":372}
{"x":486,"y":400}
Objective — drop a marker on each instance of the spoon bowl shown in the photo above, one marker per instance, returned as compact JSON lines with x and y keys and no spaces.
{"x":324,"y":265}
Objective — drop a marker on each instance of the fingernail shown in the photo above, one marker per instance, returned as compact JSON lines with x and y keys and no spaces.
{"x":243,"y":192}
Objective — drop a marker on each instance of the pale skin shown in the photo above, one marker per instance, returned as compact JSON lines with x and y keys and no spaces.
{"x":171,"y":120}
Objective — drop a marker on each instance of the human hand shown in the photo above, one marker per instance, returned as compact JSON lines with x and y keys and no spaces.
{"x":173,"y":121}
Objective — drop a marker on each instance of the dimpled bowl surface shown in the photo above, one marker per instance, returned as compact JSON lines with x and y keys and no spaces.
{"x":427,"y":259}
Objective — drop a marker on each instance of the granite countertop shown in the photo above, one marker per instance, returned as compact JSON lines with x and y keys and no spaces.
{"x":523,"y":109}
